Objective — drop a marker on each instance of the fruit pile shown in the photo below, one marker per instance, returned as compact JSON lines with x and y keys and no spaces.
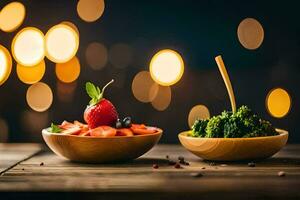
{"x":102,"y":119}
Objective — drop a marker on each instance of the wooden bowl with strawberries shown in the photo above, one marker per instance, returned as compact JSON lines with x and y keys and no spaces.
{"x":105,"y":138}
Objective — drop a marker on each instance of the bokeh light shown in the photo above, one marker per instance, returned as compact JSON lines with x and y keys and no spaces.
{"x":278,"y":102}
{"x":198,"y":112}
{"x":5,"y":64}
{"x":65,"y":91}
{"x":39,"y":96}
{"x":69,"y":71}
{"x":120,"y":55}
{"x":12,"y":16}
{"x":31,"y":75}
{"x":90,"y":10}
{"x":166,"y":67}
{"x":72,"y":25}
{"x":3,"y":130}
{"x":96,"y":55}
{"x":163,"y":98}
{"x":250,"y":33}
{"x":62,"y":43}
{"x":28,"y":46}
{"x":143,"y":87}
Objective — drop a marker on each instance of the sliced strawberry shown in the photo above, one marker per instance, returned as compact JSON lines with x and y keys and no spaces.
{"x":103,"y":131}
{"x":140,"y":130}
{"x":72,"y":131}
{"x":67,"y":125}
{"x":124,"y":132}
{"x":142,"y":126}
{"x":85,"y":133}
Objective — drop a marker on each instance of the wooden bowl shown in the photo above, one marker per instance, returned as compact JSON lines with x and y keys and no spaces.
{"x":100,"y":150}
{"x":232,"y":149}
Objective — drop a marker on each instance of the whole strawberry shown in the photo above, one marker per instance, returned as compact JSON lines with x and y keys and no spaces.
{"x":100,"y":111}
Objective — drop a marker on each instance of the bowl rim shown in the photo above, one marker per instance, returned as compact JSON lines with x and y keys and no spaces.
{"x":282,"y":132}
{"x":46,"y":132}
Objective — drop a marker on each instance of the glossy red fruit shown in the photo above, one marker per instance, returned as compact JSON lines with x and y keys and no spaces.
{"x":100,"y":112}
{"x":103,"y":131}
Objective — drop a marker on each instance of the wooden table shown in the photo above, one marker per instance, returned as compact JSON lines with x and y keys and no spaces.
{"x":41,"y":174}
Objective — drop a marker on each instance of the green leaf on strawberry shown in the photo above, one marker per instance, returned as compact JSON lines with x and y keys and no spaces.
{"x":95,"y":92}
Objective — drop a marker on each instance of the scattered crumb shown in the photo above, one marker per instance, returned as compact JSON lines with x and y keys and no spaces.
{"x":196,"y":174}
{"x":23,"y":169}
{"x":223,"y":165}
{"x":203,"y":167}
{"x":251,"y":164}
{"x":177,"y":166}
{"x":212,"y":164}
{"x":155,"y":166}
{"x":41,"y":164}
{"x":281,"y":173}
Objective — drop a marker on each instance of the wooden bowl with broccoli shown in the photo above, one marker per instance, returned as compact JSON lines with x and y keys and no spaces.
{"x":233,"y":136}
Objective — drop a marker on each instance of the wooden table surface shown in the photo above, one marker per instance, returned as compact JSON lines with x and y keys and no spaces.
{"x":41,"y":174}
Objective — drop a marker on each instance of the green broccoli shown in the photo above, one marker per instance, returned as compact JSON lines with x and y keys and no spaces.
{"x":242,"y":123}
{"x":214,"y":128}
{"x":198,"y":129}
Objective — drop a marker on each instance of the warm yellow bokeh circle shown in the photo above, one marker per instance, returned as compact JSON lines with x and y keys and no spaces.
{"x":39,"y":96}
{"x":5,"y":64}
{"x":163,"y":98}
{"x":278,"y":102}
{"x":31,"y":75}
{"x":28,"y":46}
{"x":166,"y":67}
{"x":61,"y":43}
{"x":69,"y":71}
{"x":250,"y":33}
{"x":90,"y":10}
{"x":198,"y":112}
{"x":143,"y":87}
{"x":12,"y":16}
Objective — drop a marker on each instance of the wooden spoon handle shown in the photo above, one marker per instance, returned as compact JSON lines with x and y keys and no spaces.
{"x":227,"y":82}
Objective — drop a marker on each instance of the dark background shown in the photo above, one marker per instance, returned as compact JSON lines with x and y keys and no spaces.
{"x":199,"y":30}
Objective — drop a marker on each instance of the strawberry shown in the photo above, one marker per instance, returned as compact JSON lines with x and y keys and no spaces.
{"x":103,"y":131}
{"x":100,"y":111}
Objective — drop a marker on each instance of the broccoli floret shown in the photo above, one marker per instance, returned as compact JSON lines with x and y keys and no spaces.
{"x":242,"y":123}
{"x":214,"y":128}
{"x":233,"y":128}
{"x":243,"y":112}
{"x":198,"y":129}
{"x":266,"y":128}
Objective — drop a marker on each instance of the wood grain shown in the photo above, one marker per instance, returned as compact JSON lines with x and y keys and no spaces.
{"x":137,"y":179}
{"x":11,"y":154}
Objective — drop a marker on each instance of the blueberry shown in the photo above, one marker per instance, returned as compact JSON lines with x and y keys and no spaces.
{"x":118,"y":124}
{"x":127,"y":122}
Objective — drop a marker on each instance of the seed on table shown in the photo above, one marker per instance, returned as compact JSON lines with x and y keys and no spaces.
{"x":281,"y":173}
{"x":223,"y":165}
{"x":177,"y":166}
{"x":167,"y":157}
{"x":23,"y":169}
{"x":180,"y":158}
{"x":203,"y":167}
{"x":251,"y":164}
{"x":196,"y":174}
{"x":41,"y":164}
{"x":155,"y":166}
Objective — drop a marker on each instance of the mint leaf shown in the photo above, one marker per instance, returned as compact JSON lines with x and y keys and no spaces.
{"x":55,"y":129}
{"x":92,"y":91}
